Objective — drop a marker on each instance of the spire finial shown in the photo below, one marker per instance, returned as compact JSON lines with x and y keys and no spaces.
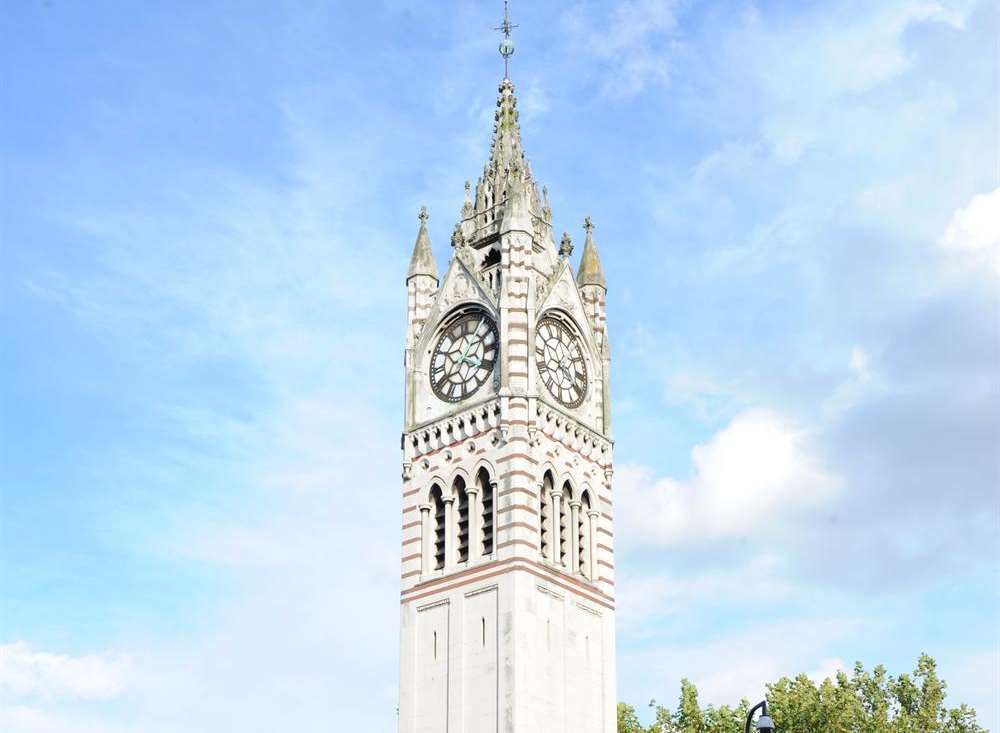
{"x":506,"y":45}
{"x":423,"y":215}
{"x":588,"y":225}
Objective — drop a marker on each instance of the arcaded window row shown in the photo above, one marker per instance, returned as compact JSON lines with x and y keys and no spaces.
{"x":458,"y":524}
{"x":568,"y":522}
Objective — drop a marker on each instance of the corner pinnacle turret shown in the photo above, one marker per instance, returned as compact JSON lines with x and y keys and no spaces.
{"x":590,"y":264}
{"x":422,"y":260}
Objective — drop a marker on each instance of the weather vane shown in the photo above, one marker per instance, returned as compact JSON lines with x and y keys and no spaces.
{"x":506,"y":45}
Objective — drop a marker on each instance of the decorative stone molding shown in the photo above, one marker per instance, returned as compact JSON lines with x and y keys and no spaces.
{"x":550,"y":592}
{"x":588,"y":609}
{"x":478,"y":591}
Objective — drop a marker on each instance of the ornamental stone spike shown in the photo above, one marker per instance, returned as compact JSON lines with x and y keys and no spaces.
{"x":422,"y":260}
{"x":566,"y":246}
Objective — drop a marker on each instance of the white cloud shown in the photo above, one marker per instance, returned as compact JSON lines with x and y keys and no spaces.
{"x":759,"y":469}
{"x":26,"y":672}
{"x":974,"y":230}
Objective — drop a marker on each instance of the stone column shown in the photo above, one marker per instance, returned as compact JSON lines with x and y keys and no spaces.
{"x":449,"y":532}
{"x":555,"y":546}
{"x":592,"y":542}
{"x":574,"y":536}
{"x":475,"y":548}
{"x":426,"y":540}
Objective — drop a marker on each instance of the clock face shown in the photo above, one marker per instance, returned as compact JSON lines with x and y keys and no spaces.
{"x":464,"y":357}
{"x":560,"y":361}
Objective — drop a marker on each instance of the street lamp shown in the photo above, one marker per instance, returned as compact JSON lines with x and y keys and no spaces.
{"x":764,"y":722}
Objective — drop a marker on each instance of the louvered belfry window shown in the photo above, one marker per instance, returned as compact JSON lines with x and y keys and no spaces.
{"x":437,"y":500}
{"x":486,"y":492}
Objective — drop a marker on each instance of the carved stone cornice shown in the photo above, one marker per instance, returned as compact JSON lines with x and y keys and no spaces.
{"x":566,"y":429}
{"x":447,"y":432}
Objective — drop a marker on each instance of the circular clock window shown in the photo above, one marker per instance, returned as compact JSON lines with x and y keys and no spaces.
{"x":464,"y":357}
{"x":559,"y":356}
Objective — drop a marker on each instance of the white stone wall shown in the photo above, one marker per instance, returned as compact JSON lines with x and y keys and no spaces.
{"x":545,"y":663}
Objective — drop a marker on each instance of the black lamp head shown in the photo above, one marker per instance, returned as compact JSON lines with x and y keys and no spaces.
{"x":765,"y":724}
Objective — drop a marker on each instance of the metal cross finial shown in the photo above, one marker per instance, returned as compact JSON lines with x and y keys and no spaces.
{"x":506,"y":45}
{"x":423,"y":215}
{"x":588,"y":225}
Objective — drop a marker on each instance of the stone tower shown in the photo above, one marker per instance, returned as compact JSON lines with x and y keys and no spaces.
{"x":507,"y":604}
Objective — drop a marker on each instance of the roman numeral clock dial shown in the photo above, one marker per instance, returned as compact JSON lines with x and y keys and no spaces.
{"x":464,"y":357}
{"x":560,"y":361}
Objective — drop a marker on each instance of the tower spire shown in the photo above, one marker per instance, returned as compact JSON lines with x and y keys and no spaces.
{"x":506,"y":45}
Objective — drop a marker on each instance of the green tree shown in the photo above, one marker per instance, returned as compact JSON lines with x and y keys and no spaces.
{"x":862,"y":702}
{"x":628,"y":720}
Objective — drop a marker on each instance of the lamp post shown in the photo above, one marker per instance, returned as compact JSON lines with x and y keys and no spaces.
{"x":764,"y":722}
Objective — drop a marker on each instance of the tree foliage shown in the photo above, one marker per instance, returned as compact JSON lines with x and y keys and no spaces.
{"x":862,"y":702}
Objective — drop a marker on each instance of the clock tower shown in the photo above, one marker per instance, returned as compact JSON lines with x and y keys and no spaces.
{"x":507,"y":605}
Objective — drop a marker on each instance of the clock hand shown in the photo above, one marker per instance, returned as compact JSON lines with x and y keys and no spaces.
{"x":471,"y":341}
{"x":472,"y":336}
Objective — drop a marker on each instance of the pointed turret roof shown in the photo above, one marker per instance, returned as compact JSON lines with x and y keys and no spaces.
{"x":422,"y":261}
{"x":590,"y":264}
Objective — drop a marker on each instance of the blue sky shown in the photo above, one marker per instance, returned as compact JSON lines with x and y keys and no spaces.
{"x":206,"y":217}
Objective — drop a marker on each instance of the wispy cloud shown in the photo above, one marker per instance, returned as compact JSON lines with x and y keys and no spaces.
{"x":631,"y":40}
{"x":27,"y":673}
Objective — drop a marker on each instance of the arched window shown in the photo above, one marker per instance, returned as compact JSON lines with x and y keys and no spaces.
{"x":437,"y":506}
{"x":462,"y":499}
{"x":583,"y":535}
{"x":545,"y":513}
{"x":566,"y":531}
{"x":486,"y":494}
